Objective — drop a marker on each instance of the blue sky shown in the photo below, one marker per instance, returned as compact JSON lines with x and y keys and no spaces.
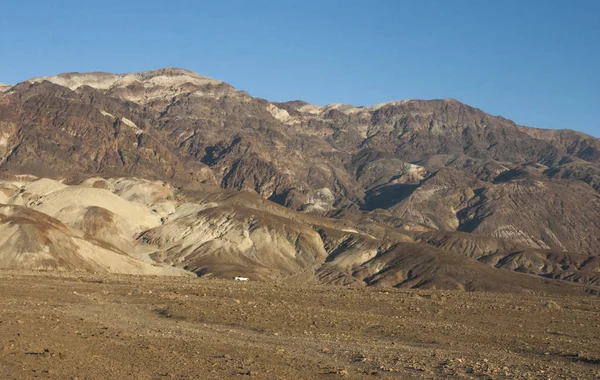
{"x":534,"y":61}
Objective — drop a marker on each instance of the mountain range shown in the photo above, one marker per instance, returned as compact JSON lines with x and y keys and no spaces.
{"x":169,"y":172}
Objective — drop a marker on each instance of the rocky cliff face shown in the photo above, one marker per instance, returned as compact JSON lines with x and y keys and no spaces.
{"x":407,"y":178}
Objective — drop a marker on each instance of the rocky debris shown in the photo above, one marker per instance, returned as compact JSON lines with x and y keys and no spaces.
{"x":103,"y":324}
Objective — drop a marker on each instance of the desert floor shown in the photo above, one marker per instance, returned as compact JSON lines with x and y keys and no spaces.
{"x":86,"y":326}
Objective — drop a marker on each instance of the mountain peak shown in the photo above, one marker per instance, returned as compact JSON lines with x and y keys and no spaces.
{"x":166,"y":77}
{"x":170,"y":71}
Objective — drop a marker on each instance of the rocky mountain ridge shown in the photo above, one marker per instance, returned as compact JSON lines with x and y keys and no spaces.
{"x":421,"y":182}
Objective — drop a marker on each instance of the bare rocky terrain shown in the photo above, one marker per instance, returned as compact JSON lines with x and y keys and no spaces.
{"x":173,"y":173}
{"x":410,"y":239}
{"x":137,"y":226}
{"x":61,"y":325}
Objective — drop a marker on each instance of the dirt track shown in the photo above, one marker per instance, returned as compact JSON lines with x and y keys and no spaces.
{"x":93,"y":327}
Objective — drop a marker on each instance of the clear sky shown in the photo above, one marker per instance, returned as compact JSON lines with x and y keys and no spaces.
{"x":534,"y":61}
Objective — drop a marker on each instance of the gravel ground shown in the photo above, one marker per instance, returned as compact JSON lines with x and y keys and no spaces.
{"x":86,"y":326}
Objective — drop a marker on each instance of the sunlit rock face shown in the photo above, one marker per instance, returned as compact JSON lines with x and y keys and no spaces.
{"x":178,"y":171}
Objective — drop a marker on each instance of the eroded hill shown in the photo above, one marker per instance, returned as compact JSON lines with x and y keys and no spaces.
{"x":128,"y":225}
{"x":408,"y":193}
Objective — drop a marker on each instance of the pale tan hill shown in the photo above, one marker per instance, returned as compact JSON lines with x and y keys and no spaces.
{"x":32,"y":240}
{"x":129,"y":225}
{"x":97,"y":213}
{"x":96,"y":229}
{"x":228,"y":242}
